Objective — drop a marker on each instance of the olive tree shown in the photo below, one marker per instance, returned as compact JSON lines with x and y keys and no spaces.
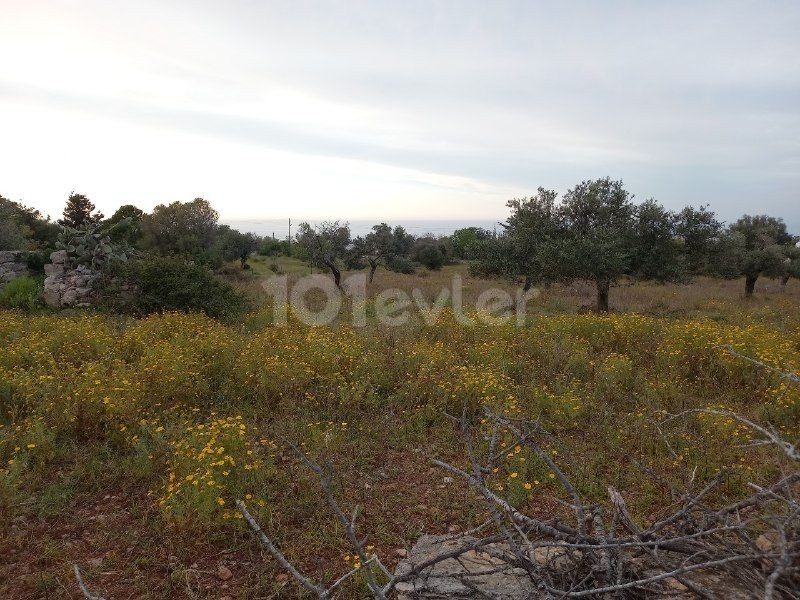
{"x":324,"y":245}
{"x":761,"y":244}
{"x":530,"y":247}
{"x":600,"y":219}
{"x":378,"y":245}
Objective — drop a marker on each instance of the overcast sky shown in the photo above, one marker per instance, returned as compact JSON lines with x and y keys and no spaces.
{"x":402,"y":109}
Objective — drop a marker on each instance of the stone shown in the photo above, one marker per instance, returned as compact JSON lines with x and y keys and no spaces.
{"x":766,"y":541}
{"x":9,"y":256}
{"x":69,"y":298}
{"x":59,"y":257}
{"x":444,"y":579}
{"x":52,"y":298}
{"x":555,"y":558}
{"x":401,"y":552}
{"x":224,"y":573}
{"x":53,"y":269}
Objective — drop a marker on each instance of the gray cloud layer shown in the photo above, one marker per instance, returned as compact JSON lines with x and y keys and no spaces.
{"x":688,"y":102}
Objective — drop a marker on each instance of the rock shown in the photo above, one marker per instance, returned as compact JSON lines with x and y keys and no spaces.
{"x":282,"y":578}
{"x":444,"y":579}
{"x":9,"y":256}
{"x":555,"y":558}
{"x":766,"y":541}
{"x":59,"y":257}
{"x":52,"y":298}
{"x":53,"y":270}
{"x":96,"y":562}
{"x":224,"y":573}
{"x":401,"y":552}
{"x":69,"y":298}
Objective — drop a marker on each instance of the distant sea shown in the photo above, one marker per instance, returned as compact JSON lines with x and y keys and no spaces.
{"x":418,"y":227}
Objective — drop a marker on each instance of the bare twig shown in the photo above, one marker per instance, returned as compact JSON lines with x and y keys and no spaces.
{"x":87,"y":594}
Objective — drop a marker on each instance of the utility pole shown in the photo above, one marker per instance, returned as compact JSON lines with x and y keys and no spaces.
{"x":290,"y":235}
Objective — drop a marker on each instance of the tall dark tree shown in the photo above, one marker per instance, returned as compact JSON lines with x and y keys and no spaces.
{"x":79,"y":213}
{"x":699,"y":230}
{"x":657,"y":253}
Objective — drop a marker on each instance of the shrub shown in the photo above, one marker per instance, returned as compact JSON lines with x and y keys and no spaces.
{"x":169,"y":284}
{"x":23,"y":292}
{"x":272,"y":247}
{"x":400,"y":264}
{"x":430,"y":256}
{"x":36,"y":260}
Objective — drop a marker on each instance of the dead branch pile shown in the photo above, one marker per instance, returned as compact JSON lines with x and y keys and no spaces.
{"x":747,"y":549}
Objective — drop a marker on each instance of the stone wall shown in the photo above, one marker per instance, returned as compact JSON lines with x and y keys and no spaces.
{"x":67,"y":286}
{"x":12,"y":265}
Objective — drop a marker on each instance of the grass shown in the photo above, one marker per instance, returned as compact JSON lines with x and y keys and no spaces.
{"x":107,"y":424}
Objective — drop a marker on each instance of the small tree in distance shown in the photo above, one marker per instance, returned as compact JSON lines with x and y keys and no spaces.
{"x":79,"y":213}
{"x":324,"y":245}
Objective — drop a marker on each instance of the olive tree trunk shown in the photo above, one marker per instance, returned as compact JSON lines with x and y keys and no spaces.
{"x":602,"y":295}
{"x":749,"y":285}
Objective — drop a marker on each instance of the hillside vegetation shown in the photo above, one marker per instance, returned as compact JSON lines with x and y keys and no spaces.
{"x":124,"y":442}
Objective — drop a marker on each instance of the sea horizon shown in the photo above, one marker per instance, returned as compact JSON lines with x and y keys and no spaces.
{"x":279,"y":228}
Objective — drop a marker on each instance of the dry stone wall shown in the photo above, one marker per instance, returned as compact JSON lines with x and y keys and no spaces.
{"x":68,"y":286}
{"x":12,"y":265}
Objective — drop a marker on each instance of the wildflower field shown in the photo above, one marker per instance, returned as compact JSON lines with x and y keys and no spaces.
{"x":125,"y":442}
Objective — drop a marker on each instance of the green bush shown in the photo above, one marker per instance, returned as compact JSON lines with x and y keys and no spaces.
{"x":23,"y":292}
{"x":400,"y":264}
{"x":170,"y":283}
{"x":430,"y":256}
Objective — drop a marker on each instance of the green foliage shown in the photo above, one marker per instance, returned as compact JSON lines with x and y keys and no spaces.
{"x":324,"y":245}
{"x":234,"y":245}
{"x":699,"y":230}
{"x":79,"y":213}
{"x":656,"y":253}
{"x":465,"y":241}
{"x":22,"y":227}
{"x":23,"y":293}
{"x":758,"y":245}
{"x":182,"y":228}
{"x":125,"y":225}
{"x":172,"y":283}
{"x":36,"y":260}
{"x":429,"y":254}
{"x":400,"y":264}
{"x":12,"y":233}
{"x":274,"y":247}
